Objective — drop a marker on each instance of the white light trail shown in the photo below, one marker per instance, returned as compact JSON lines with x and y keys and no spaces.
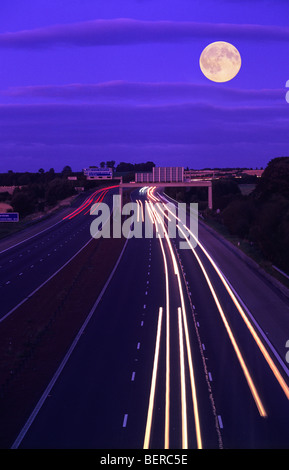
{"x":153,"y":383}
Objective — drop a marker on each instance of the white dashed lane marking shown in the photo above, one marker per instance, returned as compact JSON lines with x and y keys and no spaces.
{"x":125,"y":421}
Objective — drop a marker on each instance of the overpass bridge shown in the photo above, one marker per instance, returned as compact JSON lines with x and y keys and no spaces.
{"x":197,"y":183}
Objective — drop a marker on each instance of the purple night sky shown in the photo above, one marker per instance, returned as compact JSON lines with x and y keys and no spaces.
{"x":82,"y":81}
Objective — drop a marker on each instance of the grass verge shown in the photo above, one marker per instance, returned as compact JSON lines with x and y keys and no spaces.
{"x":248,"y":249}
{"x":35,"y":338}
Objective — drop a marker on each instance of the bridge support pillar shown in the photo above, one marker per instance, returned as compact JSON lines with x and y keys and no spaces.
{"x":210,"y":197}
{"x":121,"y":196}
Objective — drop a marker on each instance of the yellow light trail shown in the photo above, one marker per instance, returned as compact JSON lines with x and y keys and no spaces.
{"x":245,"y":318}
{"x":249,"y":325}
{"x":151,"y":193}
{"x":159,"y":207}
{"x":150,"y":203}
{"x":189,"y":354}
{"x":183,"y":383}
{"x":150,"y":213}
{"x":176,"y":217}
{"x":138,"y":210}
{"x":142,"y":214}
{"x":167,"y":403}
{"x":248,"y":377}
{"x":153,"y":383}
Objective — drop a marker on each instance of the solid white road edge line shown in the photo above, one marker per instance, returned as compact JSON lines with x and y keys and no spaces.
{"x":51,"y":277}
{"x":40,"y":403}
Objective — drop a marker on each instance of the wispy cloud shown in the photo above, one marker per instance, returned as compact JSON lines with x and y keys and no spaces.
{"x":130,"y":31}
{"x":185,"y":124}
{"x":144,"y":92}
{"x":196,"y":135}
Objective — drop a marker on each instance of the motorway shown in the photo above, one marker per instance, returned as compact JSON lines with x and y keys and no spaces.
{"x":30,"y":261}
{"x":186,"y":348}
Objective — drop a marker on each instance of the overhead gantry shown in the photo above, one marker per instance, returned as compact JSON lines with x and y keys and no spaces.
{"x":197,"y":183}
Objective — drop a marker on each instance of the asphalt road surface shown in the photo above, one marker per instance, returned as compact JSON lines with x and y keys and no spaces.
{"x":32,"y":260}
{"x":186,"y":348}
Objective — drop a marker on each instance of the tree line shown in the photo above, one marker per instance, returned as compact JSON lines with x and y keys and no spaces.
{"x":36,"y":191}
{"x":260,"y":217}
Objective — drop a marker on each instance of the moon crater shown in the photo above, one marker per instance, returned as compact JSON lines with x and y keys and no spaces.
{"x":220,"y":61}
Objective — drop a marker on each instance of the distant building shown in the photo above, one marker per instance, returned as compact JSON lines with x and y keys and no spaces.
{"x":161,"y":175}
{"x":207,"y":174}
{"x":169,"y":174}
{"x":143,"y":177}
{"x":190,"y":175}
{"x":257,"y":173}
{"x":95,"y":173}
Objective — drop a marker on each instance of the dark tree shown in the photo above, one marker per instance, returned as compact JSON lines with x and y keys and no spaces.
{"x":22,"y":203}
{"x":67,"y":171}
{"x":275,"y":179}
{"x":110,"y":164}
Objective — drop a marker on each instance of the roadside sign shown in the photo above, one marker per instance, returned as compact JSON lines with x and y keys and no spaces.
{"x":9,"y":217}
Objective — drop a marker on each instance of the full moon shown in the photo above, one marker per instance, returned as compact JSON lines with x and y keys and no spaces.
{"x":220,"y":61}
